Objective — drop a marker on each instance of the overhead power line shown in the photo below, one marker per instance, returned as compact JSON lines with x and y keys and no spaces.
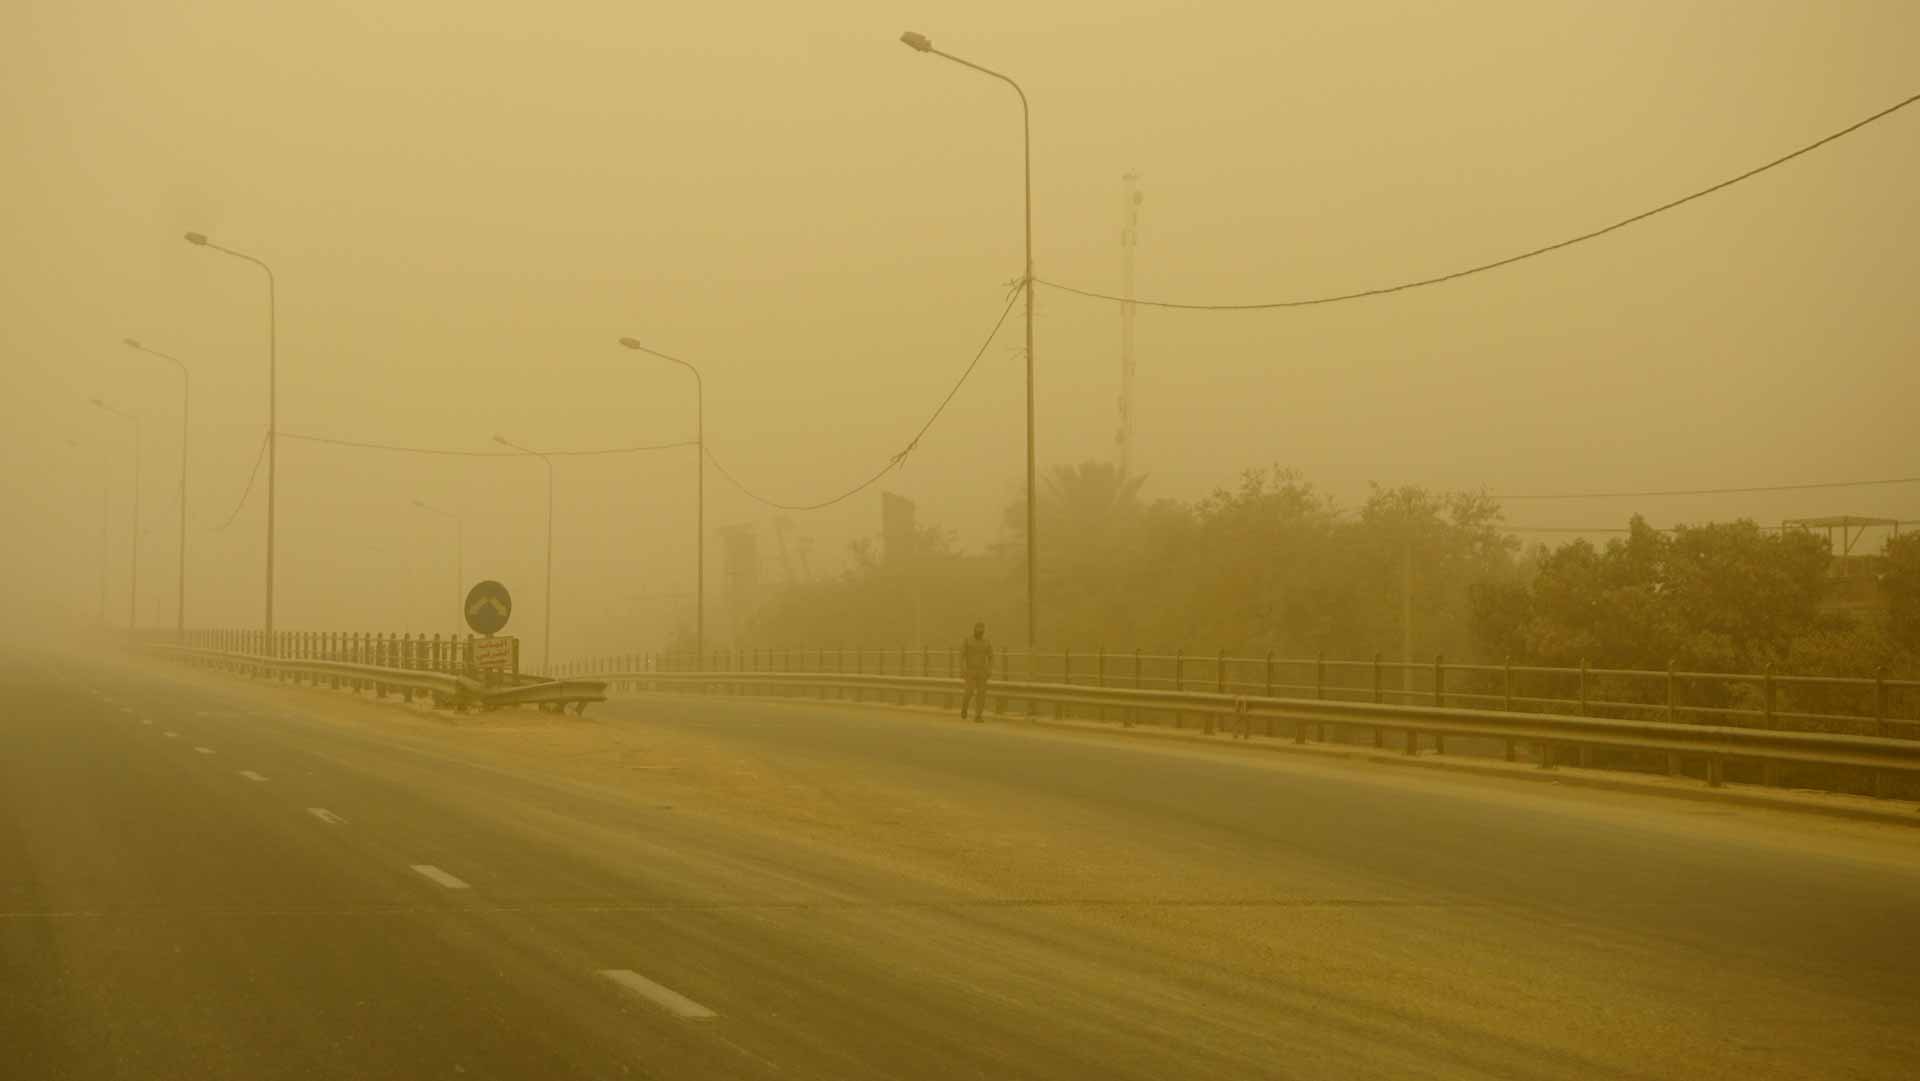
{"x":1619,"y":529}
{"x":1712,"y":491}
{"x":1498,"y":263}
{"x":396,"y":448}
{"x":248,"y":492}
{"x":900,"y":458}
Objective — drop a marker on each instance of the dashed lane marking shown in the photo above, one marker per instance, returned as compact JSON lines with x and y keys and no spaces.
{"x":664,"y":997}
{"x":204,"y":750}
{"x":251,"y":776}
{"x":436,"y":875}
{"x":326,"y":816}
{"x":172,"y":734}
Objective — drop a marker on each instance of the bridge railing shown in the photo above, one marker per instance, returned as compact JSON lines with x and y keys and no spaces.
{"x":1877,"y":706}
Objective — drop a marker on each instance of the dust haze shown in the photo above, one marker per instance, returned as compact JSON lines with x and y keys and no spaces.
{"x":466,"y":206}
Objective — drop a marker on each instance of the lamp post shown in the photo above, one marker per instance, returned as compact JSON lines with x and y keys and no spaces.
{"x":922,"y":43}
{"x":700,"y":495}
{"x":133,"y":575}
{"x":186,"y":405}
{"x":459,"y":553}
{"x":546,"y":644}
{"x":273,"y":386}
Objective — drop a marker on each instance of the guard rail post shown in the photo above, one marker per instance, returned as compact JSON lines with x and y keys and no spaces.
{"x":1100,"y":678}
{"x":1379,"y":733}
{"x":1179,"y":664}
{"x":1268,"y":675}
{"x":1880,"y":701}
{"x":1506,"y":693}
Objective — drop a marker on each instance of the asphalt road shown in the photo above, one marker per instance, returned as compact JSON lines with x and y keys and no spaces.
{"x":203,"y":877}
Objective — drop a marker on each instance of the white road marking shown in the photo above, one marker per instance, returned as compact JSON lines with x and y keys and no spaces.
{"x":173,"y":735}
{"x":204,"y":750}
{"x":326,"y":816}
{"x":436,"y":875}
{"x":145,"y":720}
{"x":126,"y":709}
{"x":664,"y":997}
{"x":251,"y":776}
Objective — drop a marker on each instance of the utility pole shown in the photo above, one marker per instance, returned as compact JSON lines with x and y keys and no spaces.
{"x":1129,"y":237}
{"x":1406,"y":612}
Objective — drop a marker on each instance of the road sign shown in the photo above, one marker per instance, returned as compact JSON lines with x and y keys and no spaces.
{"x":488,"y":607}
{"x":495,"y":654}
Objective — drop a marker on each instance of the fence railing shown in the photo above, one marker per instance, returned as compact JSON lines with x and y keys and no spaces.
{"x":446,"y":671}
{"x":451,"y":653}
{"x":1876,"y":706}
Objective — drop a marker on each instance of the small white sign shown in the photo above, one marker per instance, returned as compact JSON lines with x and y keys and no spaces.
{"x":494,"y":654}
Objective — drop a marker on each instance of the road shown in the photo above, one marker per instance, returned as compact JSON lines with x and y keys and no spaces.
{"x":205,"y":877}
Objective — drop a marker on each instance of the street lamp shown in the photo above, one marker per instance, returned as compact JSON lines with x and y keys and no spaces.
{"x":186,"y":405}
{"x":700,"y":496}
{"x":133,"y":583}
{"x":273,"y":386}
{"x":922,"y":43}
{"x":459,"y":555}
{"x":546,"y":644}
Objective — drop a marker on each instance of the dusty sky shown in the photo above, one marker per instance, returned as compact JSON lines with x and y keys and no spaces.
{"x":466,"y":204}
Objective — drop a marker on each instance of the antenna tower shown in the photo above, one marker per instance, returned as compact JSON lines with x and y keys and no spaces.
{"x":1129,"y":236}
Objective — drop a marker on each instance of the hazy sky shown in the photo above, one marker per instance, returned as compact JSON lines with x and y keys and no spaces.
{"x":466,"y":204}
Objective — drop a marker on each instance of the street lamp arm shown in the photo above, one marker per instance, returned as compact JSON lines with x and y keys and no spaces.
{"x":984,"y":70}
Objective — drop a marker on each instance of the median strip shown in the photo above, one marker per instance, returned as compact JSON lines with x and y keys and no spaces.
{"x":664,"y":997}
{"x":439,"y":877}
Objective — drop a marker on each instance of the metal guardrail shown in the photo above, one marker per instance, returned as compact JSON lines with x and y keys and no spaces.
{"x":450,"y":689}
{"x":1552,"y":739}
{"x":1877,"y":705}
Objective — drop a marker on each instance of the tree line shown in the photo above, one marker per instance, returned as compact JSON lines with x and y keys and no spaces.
{"x":1273,"y":563}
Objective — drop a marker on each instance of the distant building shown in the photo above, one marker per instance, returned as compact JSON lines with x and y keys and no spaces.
{"x":1853,"y":581}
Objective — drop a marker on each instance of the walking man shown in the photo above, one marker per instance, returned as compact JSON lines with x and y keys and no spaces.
{"x":976,"y":662}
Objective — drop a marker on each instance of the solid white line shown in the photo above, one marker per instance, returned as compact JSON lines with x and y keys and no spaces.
{"x":326,"y":816}
{"x":664,"y":997}
{"x":251,"y":776}
{"x":436,"y":875}
{"x":204,"y":750}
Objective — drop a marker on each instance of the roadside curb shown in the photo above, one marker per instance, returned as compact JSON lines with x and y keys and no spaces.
{"x":1800,"y":801}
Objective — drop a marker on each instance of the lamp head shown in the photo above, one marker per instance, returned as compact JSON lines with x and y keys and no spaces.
{"x":131,"y":343}
{"x":97,"y":400}
{"x":632,"y":343}
{"x":419,"y":504}
{"x":197,"y":238}
{"x":917,"y":41}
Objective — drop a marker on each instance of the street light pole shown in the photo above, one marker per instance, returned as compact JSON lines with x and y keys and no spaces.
{"x":922,"y":43}
{"x":459,"y":553}
{"x":186,"y":406}
{"x":133,"y":574}
{"x":273,"y":389}
{"x":546,"y":644}
{"x":700,"y":495}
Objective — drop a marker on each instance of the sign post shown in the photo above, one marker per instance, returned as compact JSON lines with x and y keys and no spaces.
{"x":487,"y":608}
